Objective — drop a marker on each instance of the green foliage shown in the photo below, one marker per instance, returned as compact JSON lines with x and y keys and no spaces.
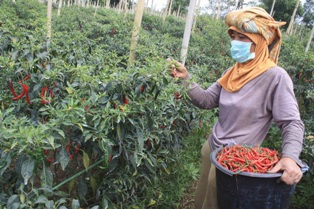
{"x":283,"y":9}
{"x":300,"y":67}
{"x":86,"y":109}
{"x":304,"y":191}
{"x":98,"y":133}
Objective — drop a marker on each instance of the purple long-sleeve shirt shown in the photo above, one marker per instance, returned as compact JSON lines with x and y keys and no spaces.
{"x":245,"y":116}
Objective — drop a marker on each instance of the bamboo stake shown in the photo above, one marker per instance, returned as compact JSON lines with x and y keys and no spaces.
{"x":125,"y":7}
{"x":170,"y":8}
{"x":120,"y":6}
{"x":310,"y":40}
{"x":272,"y":8}
{"x":136,"y":29}
{"x":165,"y":11}
{"x":96,"y":8}
{"x":49,"y":14}
{"x":187,"y":31}
{"x":59,"y":7}
{"x":178,"y":12}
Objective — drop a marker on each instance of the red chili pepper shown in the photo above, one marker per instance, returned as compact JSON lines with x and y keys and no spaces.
{"x":77,"y":148}
{"x":147,"y":143}
{"x":68,"y":147}
{"x":43,"y":95}
{"x":25,"y":90}
{"x":126,"y":100}
{"x":110,"y":158}
{"x":25,"y":78}
{"x":247,"y":159}
{"x":50,"y":160}
{"x":27,"y":98}
{"x":20,"y":95}
{"x":113,"y":104}
{"x":177,"y":95}
{"x":12,"y":89}
{"x":51,"y":93}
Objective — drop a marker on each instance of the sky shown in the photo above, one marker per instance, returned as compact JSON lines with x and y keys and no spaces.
{"x":160,"y":4}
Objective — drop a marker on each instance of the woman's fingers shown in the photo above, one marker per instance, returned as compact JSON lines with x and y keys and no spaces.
{"x":292,"y":173}
{"x":176,"y":69}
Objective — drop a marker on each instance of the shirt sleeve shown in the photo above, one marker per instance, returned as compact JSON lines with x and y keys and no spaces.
{"x":203,"y":98}
{"x":287,"y":117}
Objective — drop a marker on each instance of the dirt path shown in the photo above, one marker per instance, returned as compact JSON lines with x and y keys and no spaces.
{"x":188,"y":200}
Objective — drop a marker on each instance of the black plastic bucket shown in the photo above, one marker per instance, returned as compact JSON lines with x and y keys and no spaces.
{"x":250,"y":190}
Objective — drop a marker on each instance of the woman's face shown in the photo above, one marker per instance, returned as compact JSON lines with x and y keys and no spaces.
{"x":241,"y":37}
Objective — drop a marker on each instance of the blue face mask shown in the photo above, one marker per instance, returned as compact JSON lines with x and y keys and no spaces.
{"x":240,"y":51}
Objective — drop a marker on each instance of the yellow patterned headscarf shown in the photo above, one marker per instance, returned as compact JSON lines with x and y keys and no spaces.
{"x":264,"y":31}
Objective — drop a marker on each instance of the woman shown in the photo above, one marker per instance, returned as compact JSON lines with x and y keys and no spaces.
{"x":250,"y":95}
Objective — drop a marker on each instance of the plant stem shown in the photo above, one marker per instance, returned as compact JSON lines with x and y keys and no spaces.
{"x":78,"y":174}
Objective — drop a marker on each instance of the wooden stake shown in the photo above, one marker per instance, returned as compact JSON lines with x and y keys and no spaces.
{"x":187,"y":31}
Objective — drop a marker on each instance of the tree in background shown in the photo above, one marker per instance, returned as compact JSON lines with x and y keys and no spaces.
{"x":308,"y":17}
{"x":165,"y":13}
{"x":220,"y":7}
{"x":197,"y":13}
{"x":180,"y":5}
{"x":290,"y":27}
{"x":283,"y":9}
{"x":240,"y":4}
{"x":310,"y":40}
{"x":59,"y":7}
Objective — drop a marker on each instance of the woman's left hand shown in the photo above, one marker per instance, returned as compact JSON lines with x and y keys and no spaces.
{"x":292,"y":173}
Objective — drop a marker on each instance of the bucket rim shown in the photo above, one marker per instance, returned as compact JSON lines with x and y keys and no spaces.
{"x":249,"y":174}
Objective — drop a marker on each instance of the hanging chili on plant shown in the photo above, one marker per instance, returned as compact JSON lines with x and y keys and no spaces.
{"x":142,"y":88}
{"x":110,"y":158}
{"x":25,"y":90}
{"x":126,"y":101}
{"x":25,"y":78}
{"x":12,"y":89}
{"x":43,"y":95}
{"x":27,"y":96}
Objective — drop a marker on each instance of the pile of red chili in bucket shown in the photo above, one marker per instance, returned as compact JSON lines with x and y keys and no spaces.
{"x":239,"y":158}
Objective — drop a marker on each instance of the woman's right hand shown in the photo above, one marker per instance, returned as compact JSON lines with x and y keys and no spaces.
{"x":177,"y":69}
